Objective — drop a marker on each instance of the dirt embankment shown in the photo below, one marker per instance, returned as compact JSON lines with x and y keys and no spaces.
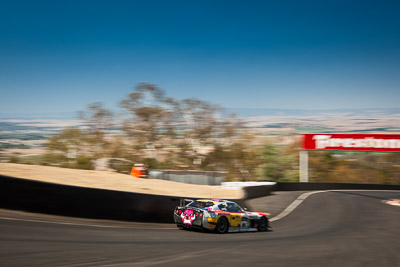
{"x":115,"y":181}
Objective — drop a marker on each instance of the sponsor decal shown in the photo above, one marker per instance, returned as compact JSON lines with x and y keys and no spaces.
{"x":188,"y":217}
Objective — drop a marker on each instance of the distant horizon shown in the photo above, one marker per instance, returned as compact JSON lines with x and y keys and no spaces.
{"x":240,"y":112}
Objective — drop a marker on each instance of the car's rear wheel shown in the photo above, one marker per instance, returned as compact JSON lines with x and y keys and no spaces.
{"x":262,"y":224}
{"x":222,"y":225}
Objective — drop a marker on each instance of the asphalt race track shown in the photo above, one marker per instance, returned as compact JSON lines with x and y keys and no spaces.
{"x":346,"y":228}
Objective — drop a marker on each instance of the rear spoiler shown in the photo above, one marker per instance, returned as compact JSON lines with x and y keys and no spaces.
{"x":184,"y":201}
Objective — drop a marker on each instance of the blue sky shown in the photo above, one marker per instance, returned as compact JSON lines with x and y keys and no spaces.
{"x":59,"y":56}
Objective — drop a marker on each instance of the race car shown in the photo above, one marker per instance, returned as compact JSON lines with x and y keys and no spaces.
{"x":220,"y":216}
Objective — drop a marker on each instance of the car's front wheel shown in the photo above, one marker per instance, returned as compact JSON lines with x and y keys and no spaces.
{"x":222,"y":225}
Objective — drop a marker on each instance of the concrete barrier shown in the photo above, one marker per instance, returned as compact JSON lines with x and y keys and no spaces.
{"x":251,"y":189}
{"x":35,"y":196}
{"x":257,"y":191}
{"x":74,"y":201}
{"x":189,"y":177}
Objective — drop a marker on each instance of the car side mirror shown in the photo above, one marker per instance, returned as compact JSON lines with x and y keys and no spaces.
{"x":245,"y":209}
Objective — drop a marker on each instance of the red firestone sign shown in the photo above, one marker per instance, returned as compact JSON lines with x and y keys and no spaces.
{"x":359,"y":142}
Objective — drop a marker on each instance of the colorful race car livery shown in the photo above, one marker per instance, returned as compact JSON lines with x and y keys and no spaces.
{"x":219,"y":215}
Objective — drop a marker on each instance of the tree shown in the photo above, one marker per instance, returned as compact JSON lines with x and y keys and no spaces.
{"x":149,"y":112}
{"x":98,"y":119}
{"x":68,"y":149}
{"x":321,"y":165}
{"x":237,"y":160}
{"x":202,"y":121}
{"x":229,"y":128}
{"x":159,"y":130}
{"x":278,"y":164}
{"x":200,"y":118}
{"x":154,"y":119}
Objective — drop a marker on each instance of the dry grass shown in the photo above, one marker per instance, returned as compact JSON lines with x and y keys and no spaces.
{"x":115,"y":181}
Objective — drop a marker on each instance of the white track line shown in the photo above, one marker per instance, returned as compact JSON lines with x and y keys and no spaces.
{"x":304,"y":196}
{"x":81,"y":224}
{"x":294,"y":205}
{"x":54,"y":222}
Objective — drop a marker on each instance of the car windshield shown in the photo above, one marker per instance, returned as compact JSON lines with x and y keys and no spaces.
{"x":230,"y":206}
{"x":201,"y":204}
